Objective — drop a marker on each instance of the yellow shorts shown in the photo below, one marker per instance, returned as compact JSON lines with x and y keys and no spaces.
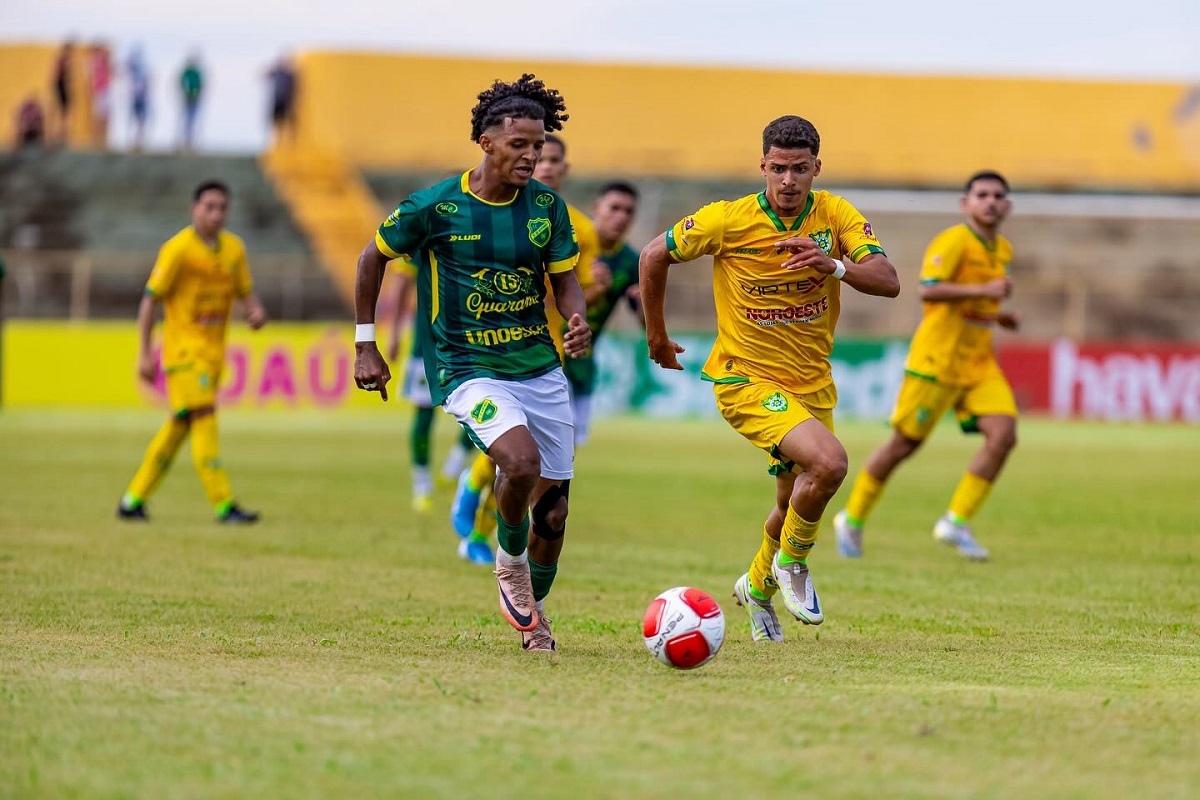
{"x":765,"y":412}
{"x":192,"y":386}
{"x":922,"y":402}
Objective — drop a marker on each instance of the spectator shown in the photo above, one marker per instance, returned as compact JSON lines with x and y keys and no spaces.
{"x":139,"y":94}
{"x":31,"y":123}
{"x":100,"y":81}
{"x":62,"y":88}
{"x":282,"y":78}
{"x":191,"y":84}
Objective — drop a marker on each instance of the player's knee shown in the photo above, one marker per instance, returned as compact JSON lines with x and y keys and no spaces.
{"x":828,"y":470}
{"x":549,"y":516}
{"x":521,"y":468}
{"x":1006,"y":440}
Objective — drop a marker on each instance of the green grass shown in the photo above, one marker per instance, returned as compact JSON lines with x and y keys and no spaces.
{"x":340,"y":649}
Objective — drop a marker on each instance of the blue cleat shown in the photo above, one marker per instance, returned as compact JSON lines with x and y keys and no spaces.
{"x":464,"y":506}
{"x":849,"y":537}
{"x":476,"y":551}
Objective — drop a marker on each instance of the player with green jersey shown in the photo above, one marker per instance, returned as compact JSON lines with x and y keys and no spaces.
{"x":616,"y":271}
{"x":483,"y":244}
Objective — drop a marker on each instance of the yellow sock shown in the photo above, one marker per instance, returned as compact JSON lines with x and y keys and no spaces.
{"x":969,"y":496}
{"x":863,"y":496}
{"x":761,"y":580}
{"x":485,"y":518}
{"x":483,"y":472}
{"x":799,"y":535}
{"x":157,"y":460}
{"x":207,"y":458}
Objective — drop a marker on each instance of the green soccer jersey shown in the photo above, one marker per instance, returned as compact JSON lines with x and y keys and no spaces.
{"x":622,"y":262}
{"x":481,"y":277}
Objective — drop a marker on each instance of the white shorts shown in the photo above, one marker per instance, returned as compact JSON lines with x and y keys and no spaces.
{"x":416,"y":385}
{"x":489,"y":408}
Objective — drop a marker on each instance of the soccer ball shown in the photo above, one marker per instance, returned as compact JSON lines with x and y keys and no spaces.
{"x":684,"y":627}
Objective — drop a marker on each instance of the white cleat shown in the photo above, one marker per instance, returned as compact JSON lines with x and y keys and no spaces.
{"x":799,"y":594}
{"x":764,"y":623}
{"x":960,"y":537}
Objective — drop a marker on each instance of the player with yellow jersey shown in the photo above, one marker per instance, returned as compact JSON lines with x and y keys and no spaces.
{"x":779,"y":260}
{"x":951,"y":365}
{"x":198,"y":274}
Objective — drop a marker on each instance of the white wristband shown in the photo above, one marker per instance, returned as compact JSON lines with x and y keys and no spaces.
{"x":365,"y":332}
{"x":840,"y":270}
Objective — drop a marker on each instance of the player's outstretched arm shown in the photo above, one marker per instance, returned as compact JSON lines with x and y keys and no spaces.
{"x":370,"y":370}
{"x":946,"y":291}
{"x":256,"y":314}
{"x":652,"y":275}
{"x":147,"y":366}
{"x":568,"y":298}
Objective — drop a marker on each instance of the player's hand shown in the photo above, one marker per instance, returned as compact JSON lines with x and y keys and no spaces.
{"x":578,"y":337}
{"x":997,"y":288}
{"x":663,"y":351}
{"x":371,"y":372}
{"x":147,"y":367}
{"x":1009,"y":320}
{"x":601,"y":274}
{"x":805,"y":253}
{"x":256,"y":315}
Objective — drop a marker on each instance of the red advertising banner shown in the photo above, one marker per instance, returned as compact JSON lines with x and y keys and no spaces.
{"x":1110,"y":381}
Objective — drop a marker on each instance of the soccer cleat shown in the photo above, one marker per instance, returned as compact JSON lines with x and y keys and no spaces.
{"x":799,"y":594}
{"x":476,"y":551}
{"x":540,"y":639}
{"x":516,"y":594}
{"x":464,"y":506}
{"x":764,"y":623}
{"x":235,"y":515}
{"x":958,"y":536}
{"x":134,"y":514}
{"x":422,"y":503}
{"x":847,"y":536}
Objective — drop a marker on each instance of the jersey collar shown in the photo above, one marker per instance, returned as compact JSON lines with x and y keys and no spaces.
{"x":465,"y":183}
{"x":765,"y":205}
{"x":990,"y":246}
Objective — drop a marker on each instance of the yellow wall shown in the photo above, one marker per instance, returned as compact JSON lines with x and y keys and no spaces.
{"x":28,"y":69}
{"x":280,"y":367}
{"x":400,"y":111}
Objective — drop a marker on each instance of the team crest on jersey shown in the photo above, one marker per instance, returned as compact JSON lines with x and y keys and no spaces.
{"x":775,"y":403}
{"x":446,"y":209}
{"x":867,"y":230}
{"x":544,"y":200}
{"x":484,"y":411}
{"x":539,"y":231}
{"x":689,"y":223}
{"x":824,"y":239}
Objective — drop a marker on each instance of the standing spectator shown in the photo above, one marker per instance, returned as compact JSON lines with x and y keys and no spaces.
{"x":31,"y":123}
{"x":139,"y":94}
{"x":62,"y":89}
{"x":100,"y":81}
{"x":282,"y":77}
{"x":191,"y":84}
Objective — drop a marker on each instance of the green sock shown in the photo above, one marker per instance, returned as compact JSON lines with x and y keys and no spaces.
{"x":419,"y":440}
{"x":513,"y":539}
{"x":477,"y":536}
{"x":785,"y":559}
{"x":757,"y":595}
{"x":542,"y":577}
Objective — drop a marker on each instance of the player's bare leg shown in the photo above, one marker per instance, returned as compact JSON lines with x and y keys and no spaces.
{"x":868,"y":486}
{"x":519,"y":466}
{"x":821,"y":460}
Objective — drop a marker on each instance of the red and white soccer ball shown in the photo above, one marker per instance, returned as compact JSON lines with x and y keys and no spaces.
{"x":684,"y":627}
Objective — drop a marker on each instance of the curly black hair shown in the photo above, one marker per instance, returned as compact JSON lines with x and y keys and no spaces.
{"x":525,"y":98}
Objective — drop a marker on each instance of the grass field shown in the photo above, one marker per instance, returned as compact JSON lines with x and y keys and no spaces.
{"x":340,"y":649}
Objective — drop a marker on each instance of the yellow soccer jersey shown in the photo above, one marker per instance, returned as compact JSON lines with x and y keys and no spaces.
{"x":589,"y":250}
{"x":197,"y":285}
{"x":772,"y":324}
{"x":953,"y":343}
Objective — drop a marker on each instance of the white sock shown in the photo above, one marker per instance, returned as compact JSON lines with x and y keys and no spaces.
{"x":456,"y":460}
{"x":507,"y":558}
{"x":422,"y":481}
